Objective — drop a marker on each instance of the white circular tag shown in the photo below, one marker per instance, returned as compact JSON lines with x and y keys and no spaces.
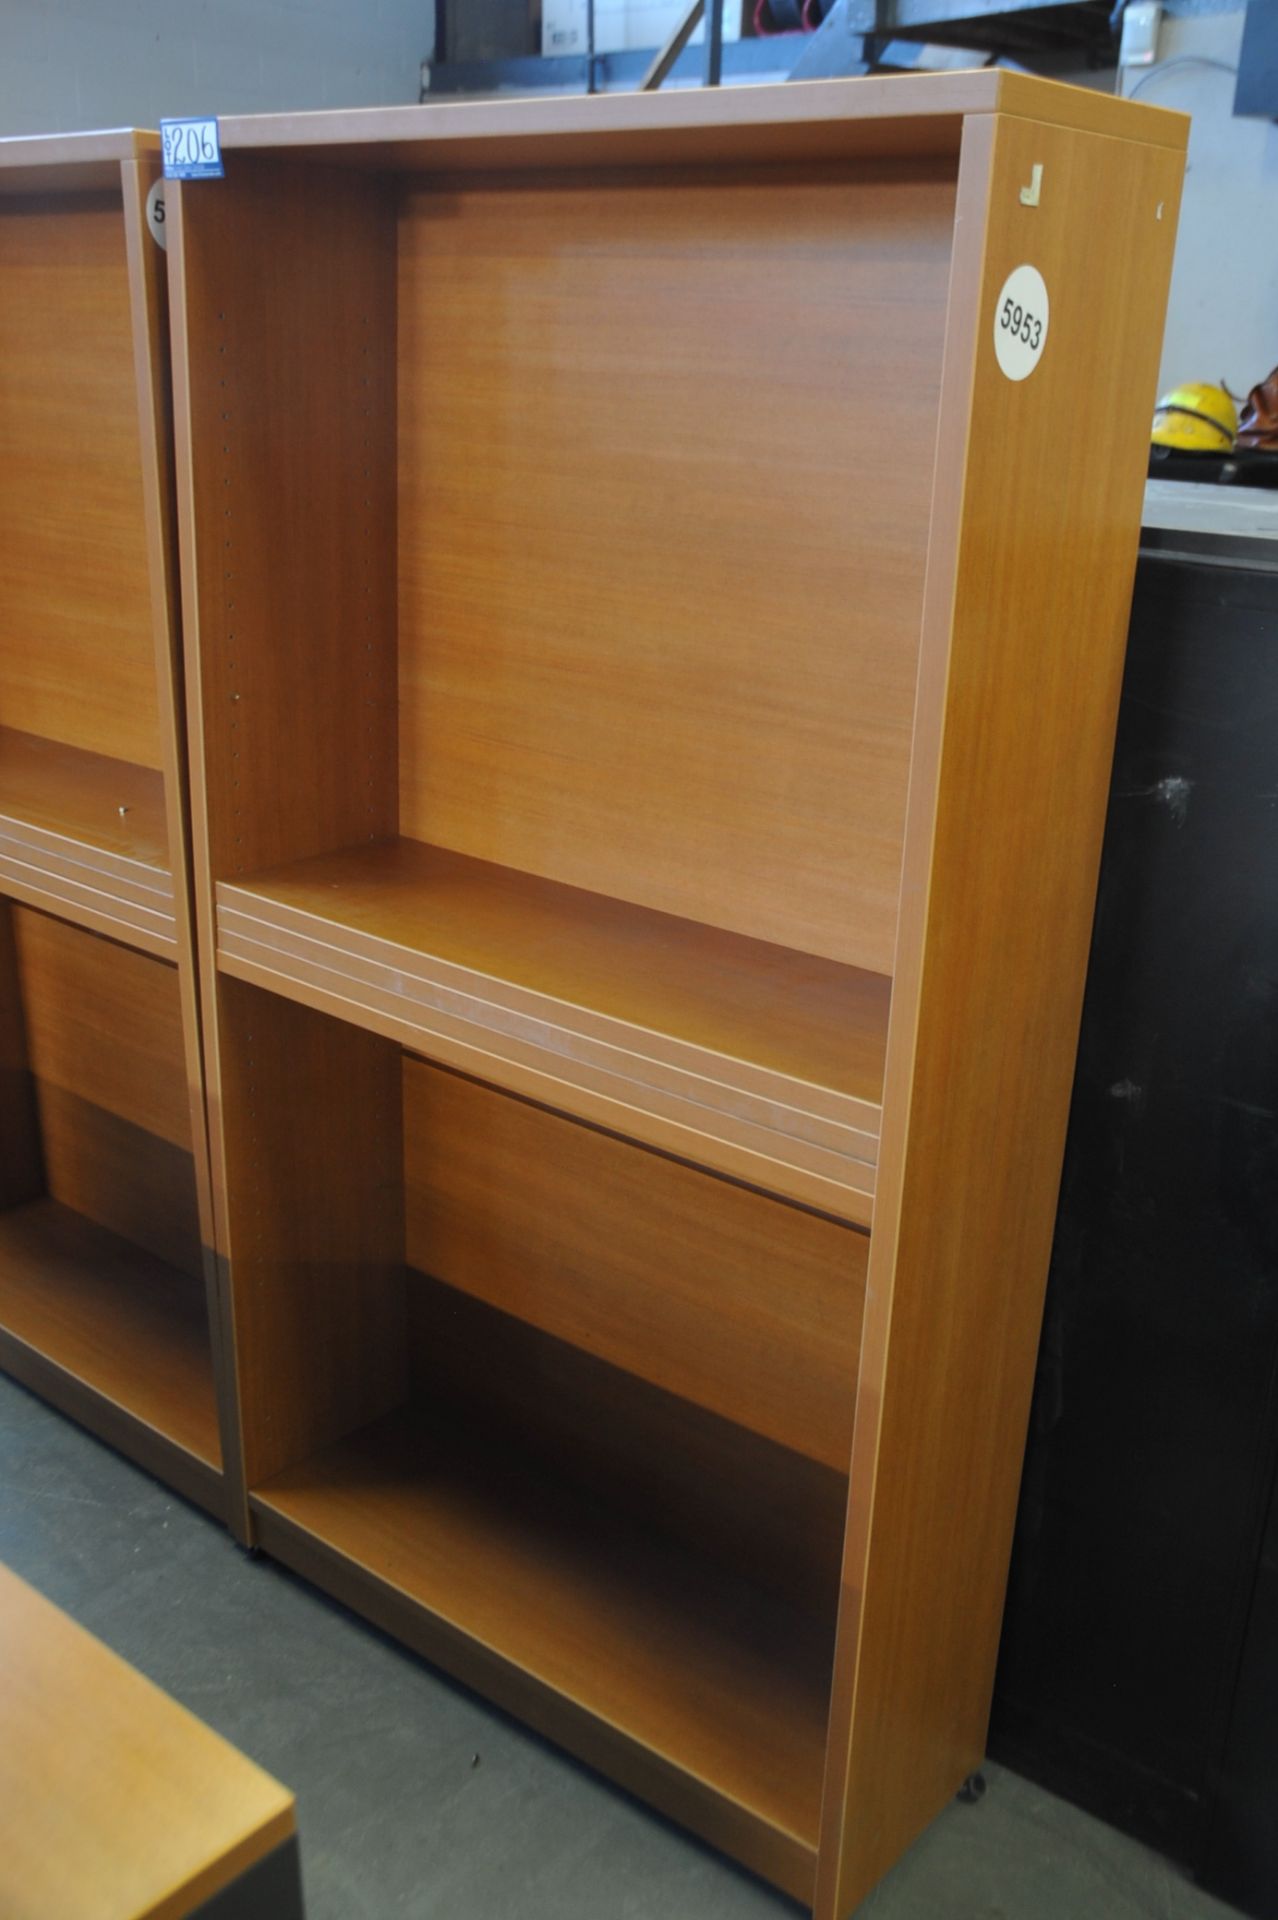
{"x":155,"y":214}
{"x":1020,"y":322}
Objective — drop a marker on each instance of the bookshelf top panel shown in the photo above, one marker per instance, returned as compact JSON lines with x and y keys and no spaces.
{"x":874,"y":116}
{"x":70,"y":162}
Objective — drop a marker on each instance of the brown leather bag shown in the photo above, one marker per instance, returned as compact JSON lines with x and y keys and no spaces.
{"x":1258,"y":428}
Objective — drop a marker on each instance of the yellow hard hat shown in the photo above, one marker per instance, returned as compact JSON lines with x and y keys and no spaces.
{"x":1196,"y":418}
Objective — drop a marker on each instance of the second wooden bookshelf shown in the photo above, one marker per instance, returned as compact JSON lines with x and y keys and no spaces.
{"x":105,"y":1221}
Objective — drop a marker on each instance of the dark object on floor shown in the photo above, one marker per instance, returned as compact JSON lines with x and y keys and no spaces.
{"x":1141,"y":1635}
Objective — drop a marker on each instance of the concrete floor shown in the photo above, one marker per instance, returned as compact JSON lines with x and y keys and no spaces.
{"x":395,"y":1818}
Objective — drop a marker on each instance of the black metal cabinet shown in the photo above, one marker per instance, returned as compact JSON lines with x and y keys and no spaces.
{"x":1137,"y":1604}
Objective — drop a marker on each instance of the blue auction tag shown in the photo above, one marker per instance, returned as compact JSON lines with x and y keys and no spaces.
{"x":192,"y":149}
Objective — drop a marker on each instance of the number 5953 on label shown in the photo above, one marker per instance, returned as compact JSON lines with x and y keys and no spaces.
{"x":1021,"y":314}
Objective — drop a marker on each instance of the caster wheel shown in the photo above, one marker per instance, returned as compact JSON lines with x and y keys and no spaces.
{"x":972,"y":1789}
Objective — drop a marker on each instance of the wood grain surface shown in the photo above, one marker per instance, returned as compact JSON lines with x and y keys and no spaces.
{"x":724,"y":577}
{"x":314,"y":1170}
{"x":127,"y":1333}
{"x":639,"y":977}
{"x":824,"y":120}
{"x":86,"y":837}
{"x":84,"y":162}
{"x":118,"y":1804}
{"x":105,"y":1044}
{"x":283,"y":298}
{"x":756,"y":1060}
{"x":21,"y":1163}
{"x":706,"y":1696}
{"x":103,"y":1022}
{"x":743,"y":1305}
{"x":97,"y":803}
{"x":92,"y":776}
{"x":280,"y":286}
{"x":715,"y":722}
{"x":1029,"y":590}
{"x":76,"y":661}
{"x":721,"y":1490}
{"x":148,"y":285}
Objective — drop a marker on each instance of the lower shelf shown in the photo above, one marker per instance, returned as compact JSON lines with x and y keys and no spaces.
{"x":113,"y":1337}
{"x":646,"y":1658}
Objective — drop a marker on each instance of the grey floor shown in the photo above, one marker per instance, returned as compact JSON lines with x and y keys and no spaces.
{"x":395,"y":1817}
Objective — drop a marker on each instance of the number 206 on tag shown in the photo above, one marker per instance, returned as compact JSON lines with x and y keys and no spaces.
{"x":192,"y":149}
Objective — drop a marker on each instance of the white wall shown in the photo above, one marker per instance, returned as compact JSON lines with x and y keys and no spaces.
{"x":1222,"y":320}
{"x":67,"y":64}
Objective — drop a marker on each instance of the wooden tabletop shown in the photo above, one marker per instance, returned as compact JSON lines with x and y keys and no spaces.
{"x":115,"y":1803}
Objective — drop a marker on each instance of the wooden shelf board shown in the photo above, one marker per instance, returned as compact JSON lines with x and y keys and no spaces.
{"x":100,"y":144}
{"x":750,"y":1058}
{"x":647,"y":1659}
{"x":48,"y":163}
{"x":114,"y":1337}
{"x":877,"y":115}
{"x":66,"y":846}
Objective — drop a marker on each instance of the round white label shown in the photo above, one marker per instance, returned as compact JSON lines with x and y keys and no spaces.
{"x":155,"y":213}
{"x":1020,"y":322}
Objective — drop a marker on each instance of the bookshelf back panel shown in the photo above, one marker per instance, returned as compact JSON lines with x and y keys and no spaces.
{"x":77,"y":661}
{"x":709,"y":410}
{"x":738,"y":1302}
{"x":486,"y":1378}
{"x":103,"y":1027}
{"x":283,"y":374}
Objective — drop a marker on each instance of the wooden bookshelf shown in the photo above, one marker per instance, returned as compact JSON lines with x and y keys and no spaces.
{"x":651,"y":681}
{"x":105,"y":1212}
